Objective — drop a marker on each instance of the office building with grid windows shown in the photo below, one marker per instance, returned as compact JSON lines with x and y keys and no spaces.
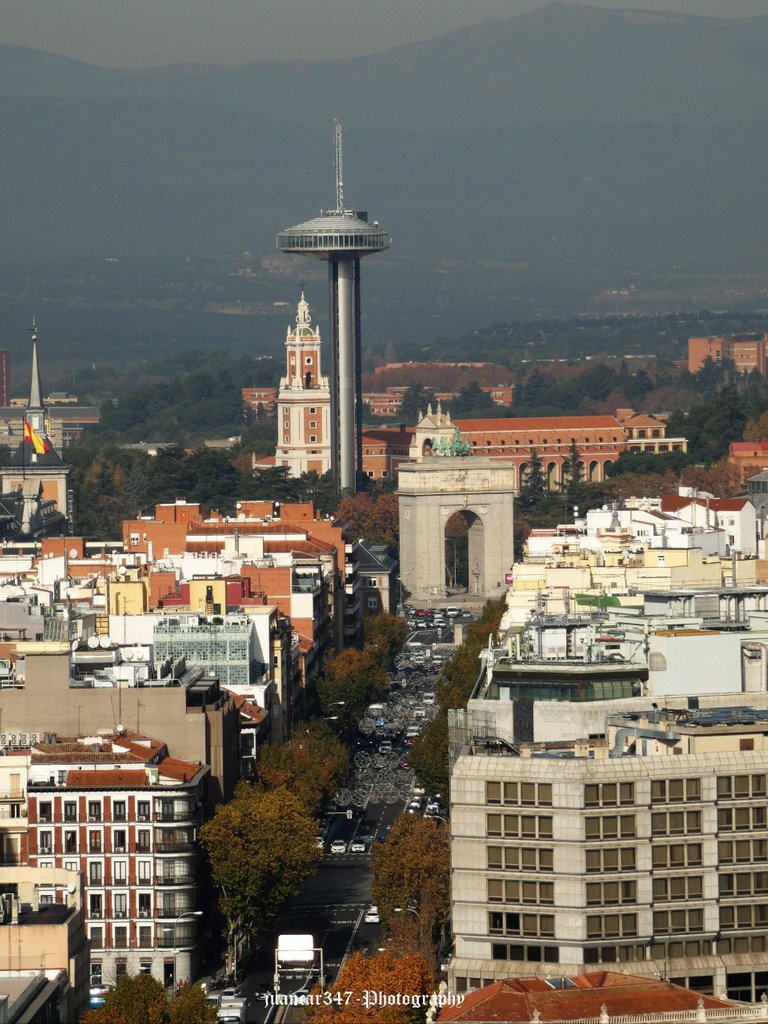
{"x":647,"y":848}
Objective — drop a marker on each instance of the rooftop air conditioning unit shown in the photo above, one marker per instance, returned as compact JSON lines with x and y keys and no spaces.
{"x":141,"y":817}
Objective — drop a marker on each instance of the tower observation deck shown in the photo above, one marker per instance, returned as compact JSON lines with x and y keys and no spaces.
{"x":341,"y":237}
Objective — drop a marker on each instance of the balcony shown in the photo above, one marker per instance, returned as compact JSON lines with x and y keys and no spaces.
{"x":174,"y":847}
{"x":172,"y":911}
{"x":175,"y":816}
{"x":181,"y":879}
{"x":181,"y":940}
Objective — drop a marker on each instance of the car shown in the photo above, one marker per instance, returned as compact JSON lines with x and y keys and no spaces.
{"x":452,"y":611}
{"x":423,"y":613}
{"x":372,"y":915}
{"x":385,"y":747}
{"x":98,"y":995}
{"x":357,"y":846}
{"x":338,"y":846}
{"x":428,"y":697}
{"x":319,"y":842}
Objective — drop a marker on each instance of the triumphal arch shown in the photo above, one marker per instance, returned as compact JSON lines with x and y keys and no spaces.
{"x":445,"y":483}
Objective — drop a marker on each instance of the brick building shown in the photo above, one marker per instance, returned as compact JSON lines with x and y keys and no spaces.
{"x":123,"y":812}
{"x":748,"y":351}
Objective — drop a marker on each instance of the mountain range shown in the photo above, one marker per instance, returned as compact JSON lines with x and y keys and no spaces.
{"x":562,"y":152}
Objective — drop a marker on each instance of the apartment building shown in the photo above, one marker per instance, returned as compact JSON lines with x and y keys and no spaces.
{"x":126,"y":815}
{"x":647,"y":848}
{"x":747,"y":351}
{"x":44,"y":968}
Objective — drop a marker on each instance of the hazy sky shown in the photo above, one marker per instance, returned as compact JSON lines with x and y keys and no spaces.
{"x":138,"y":33}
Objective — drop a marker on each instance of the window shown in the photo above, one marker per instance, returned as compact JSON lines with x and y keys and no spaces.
{"x":95,"y":874}
{"x":97,"y":938}
{"x":669,"y":791}
{"x":678,"y":855}
{"x":96,"y":975}
{"x":742,"y":851}
{"x":94,"y":842}
{"x":70,"y":841}
{"x":119,"y":843}
{"x":611,"y":926}
{"x":142,"y":840}
{"x":609,"y":794}
{"x":531,"y":954}
{"x":142,"y":810}
{"x":312,"y":424}
{"x":604,"y":861}
{"x":145,"y":904}
{"x":613,"y":954}
{"x":118,"y":810}
{"x":121,"y":968}
{"x":515,"y":858}
{"x":741,"y":819}
{"x":607,"y":893}
{"x":313,"y":438}
{"x":94,"y":810}
{"x":120,"y":936}
{"x":746,"y":884}
{"x":95,"y":905}
{"x":119,"y":872}
{"x":512,"y":923}
{"x":741,"y":787}
{"x":70,"y":810}
{"x":676,"y":823}
{"x":45,"y":842}
{"x":515,"y":891}
{"x":744,"y":915}
{"x":312,"y":409}
{"x":613,"y":826}
{"x":120,"y":904}
{"x":519,"y":826}
{"x":681,"y":888}
{"x":45,"y":811}
{"x":71,"y":865}
{"x":680,"y":921}
{"x":145,"y":937}
{"x":527,"y":794}
{"x":145,"y":870}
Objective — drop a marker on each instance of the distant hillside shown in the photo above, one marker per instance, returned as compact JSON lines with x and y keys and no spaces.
{"x":585,"y":146}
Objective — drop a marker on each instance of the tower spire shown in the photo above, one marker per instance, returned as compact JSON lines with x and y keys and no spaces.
{"x":35,"y":389}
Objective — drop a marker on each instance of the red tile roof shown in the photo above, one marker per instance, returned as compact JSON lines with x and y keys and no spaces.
{"x":115,"y":779}
{"x":564,"y":423}
{"x":180,"y":771}
{"x":674,"y":503}
{"x":515,"y":1000}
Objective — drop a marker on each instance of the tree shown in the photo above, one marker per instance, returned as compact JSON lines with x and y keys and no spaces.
{"x":532,"y":487}
{"x":429,"y":755}
{"x":412,"y":872}
{"x":572,"y":471}
{"x":312,"y":765}
{"x":415,"y":401}
{"x":375,"y":518}
{"x":261,"y":846}
{"x":136,"y":999}
{"x":189,"y":1006}
{"x":351,"y":681}
{"x":364,"y":979}
{"x":383,"y":636}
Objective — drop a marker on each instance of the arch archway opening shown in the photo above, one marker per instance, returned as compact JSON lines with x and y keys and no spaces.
{"x":464,"y":554}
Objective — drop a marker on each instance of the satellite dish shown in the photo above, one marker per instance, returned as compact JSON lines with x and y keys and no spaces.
{"x":75,"y":645}
{"x":105,"y":642}
{"x":93,"y":642}
{"x":71,"y":889}
{"x":122,"y":570}
{"x":73,"y":552}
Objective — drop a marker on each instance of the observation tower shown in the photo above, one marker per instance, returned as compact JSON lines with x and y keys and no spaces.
{"x":341,"y":237}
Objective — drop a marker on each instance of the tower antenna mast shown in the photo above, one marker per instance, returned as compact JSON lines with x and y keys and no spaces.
{"x":339,"y":134}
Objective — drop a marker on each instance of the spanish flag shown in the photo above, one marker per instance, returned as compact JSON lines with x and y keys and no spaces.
{"x":40,"y":446}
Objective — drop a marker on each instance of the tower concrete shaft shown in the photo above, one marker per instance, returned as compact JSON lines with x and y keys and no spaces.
{"x":341,"y":237}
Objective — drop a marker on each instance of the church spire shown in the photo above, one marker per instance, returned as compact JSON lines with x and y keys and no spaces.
{"x":35,"y":408}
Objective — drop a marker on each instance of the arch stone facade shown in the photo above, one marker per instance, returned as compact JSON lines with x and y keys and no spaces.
{"x":430,"y":492}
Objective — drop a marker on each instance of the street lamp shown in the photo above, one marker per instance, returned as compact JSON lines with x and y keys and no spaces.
{"x":186,"y":913}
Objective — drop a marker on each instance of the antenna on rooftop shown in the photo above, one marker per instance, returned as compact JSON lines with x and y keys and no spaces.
{"x":339,"y":135}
